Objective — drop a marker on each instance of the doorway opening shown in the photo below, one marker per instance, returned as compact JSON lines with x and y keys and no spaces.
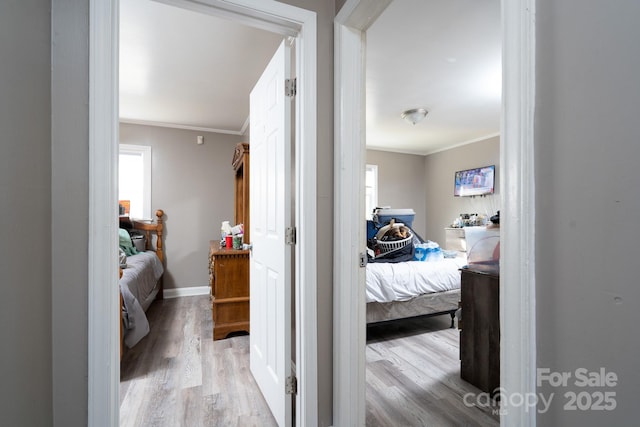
{"x":452,"y":72}
{"x":517,"y":301}
{"x":103,"y":142}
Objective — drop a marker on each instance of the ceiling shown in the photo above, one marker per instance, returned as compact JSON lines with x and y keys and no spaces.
{"x":185,"y":69}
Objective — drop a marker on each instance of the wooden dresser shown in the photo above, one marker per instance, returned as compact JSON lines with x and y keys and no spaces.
{"x":229,"y":281}
{"x":229,"y":268}
{"x":454,"y":239}
{"x":480,"y":328}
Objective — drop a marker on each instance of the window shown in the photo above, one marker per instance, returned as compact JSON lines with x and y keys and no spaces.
{"x":134,"y":179}
{"x":371,"y":190}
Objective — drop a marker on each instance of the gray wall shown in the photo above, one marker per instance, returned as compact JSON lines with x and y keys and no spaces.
{"x":441,"y":206}
{"x":70,"y":206}
{"x":25,"y":223}
{"x":588,"y":199}
{"x":401,"y":183}
{"x":193,"y":184}
{"x":425,"y":183}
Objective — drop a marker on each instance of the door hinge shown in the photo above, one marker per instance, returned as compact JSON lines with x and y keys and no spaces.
{"x":363,"y":259}
{"x":290,"y":236}
{"x":291,"y":386}
{"x":290,"y":87}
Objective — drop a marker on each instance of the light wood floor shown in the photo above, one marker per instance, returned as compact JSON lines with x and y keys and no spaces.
{"x":413,"y":376}
{"x":179,"y":376}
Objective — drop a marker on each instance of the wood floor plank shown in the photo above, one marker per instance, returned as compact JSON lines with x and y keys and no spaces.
{"x":179,"y":376}
{"x":413,"y":376}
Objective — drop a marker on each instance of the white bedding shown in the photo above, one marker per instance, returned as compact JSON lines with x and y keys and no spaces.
{"x":402,"y":281}
{"x":138,"y":287}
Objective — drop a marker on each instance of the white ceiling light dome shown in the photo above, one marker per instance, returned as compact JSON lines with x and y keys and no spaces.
{"x":414,"y":115}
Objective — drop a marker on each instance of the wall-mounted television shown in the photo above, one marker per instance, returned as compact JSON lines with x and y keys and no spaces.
{"x":475,"y":182}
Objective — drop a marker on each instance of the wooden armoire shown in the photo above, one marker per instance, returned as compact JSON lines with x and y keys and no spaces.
{"x":228,"y":267}
{"x":241,"y":191}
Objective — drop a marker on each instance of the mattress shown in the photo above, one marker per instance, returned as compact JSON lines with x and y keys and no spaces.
{"x":139,"y":288}
{"x":387,"y":282}
{"x":429,"y":304}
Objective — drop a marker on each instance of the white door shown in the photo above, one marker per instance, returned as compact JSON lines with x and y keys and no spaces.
{"x":270,"y":193}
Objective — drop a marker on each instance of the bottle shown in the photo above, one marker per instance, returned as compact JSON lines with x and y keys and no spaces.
{"x":224,"y":230}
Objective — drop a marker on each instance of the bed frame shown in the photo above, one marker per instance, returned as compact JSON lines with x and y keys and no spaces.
{"x":148,"y":229}
{"x":433,"y":304}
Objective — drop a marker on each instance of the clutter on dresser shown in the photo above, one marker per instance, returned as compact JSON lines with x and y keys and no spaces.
{"x":469,"y":220}
{"x":496,"y":218}
{"x":231,"y":237}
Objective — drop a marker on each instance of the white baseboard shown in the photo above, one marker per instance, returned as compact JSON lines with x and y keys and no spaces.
{"x":186,"y":292}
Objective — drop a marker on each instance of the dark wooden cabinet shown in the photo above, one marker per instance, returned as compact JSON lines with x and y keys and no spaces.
{"x":240,"y":165}
{"x":229,"y":281}
{"x":229,"y":268}
{"x":480,"y":328}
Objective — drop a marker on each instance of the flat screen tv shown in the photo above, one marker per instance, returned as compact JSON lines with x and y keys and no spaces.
{"x":475,"y":182}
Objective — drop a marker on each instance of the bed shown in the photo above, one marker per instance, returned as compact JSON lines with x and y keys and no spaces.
{"x":413,"y":288}
{"x":141,"y":277}
{"x":399,"y":287}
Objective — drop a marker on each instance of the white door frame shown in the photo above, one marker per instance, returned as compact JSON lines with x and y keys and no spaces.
{"x":103,"y":301}
{"x":517,"y":293}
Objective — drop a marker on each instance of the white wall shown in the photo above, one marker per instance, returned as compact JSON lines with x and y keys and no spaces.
{"x":193,"y":184}
{"x":25,"y":222}
{"x":441,"y":206}
{"x":401,"y":183}
{"x":588,"y":199}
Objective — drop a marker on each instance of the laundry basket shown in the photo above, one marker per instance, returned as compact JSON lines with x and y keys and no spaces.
{"x":393,"y":245}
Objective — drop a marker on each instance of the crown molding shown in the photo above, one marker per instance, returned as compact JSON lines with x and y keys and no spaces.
{"x":183,"y":127}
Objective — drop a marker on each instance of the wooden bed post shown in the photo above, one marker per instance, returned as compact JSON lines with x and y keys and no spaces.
{"x":159,"y":232}
{"x":159,"y":249}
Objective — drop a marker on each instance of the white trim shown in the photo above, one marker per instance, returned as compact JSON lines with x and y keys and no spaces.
{"x":518,"y":357}
{"x":460,"y":144}
{"x":517,"y":225}
{"x":178,"y":126}
{"x":267,"y":14}
{"x":349,"y":333}
{"x":245,"y":126}
{"x":103,"y":300}
{"x":439,"y":150}
{"x":306,"y":222}
{"x":185,"y":292}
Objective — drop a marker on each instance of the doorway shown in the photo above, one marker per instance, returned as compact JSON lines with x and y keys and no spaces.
{"x":103,"y":296}
{"x":518,"y":360}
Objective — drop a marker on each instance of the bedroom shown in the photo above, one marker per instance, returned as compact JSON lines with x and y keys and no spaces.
{"x":196,"y":191}
{"x":191,"y":150}
{"x":452,"y":70}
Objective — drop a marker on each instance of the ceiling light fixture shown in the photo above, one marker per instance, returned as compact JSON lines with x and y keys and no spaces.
{"x":414,"y":115}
